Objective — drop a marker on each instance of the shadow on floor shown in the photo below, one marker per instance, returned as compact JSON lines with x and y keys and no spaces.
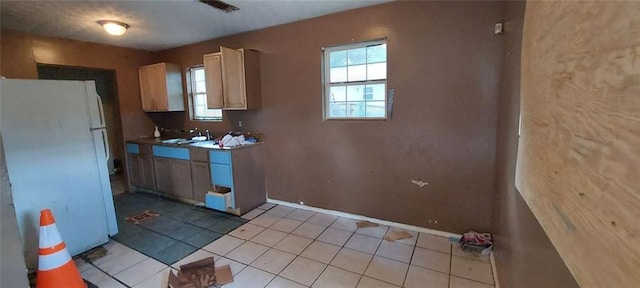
{"x":117,"y":183}
{"x":179,"y":230}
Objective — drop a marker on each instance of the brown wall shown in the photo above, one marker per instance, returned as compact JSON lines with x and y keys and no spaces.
{"x":524,"y":255}
{"x":443,"y":62}
{"x":21,"y":52}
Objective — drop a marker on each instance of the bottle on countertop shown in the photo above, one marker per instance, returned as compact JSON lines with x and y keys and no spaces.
{"x":156,"y":133}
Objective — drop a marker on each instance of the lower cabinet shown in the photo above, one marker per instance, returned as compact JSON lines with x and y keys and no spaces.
{"x":148,"y":175}
{"x":135,"y":170}
{"x":181,"y":177}
{"x":141,"y":170}
{"x":226,"y":180}
{"x":162,"y":167}
{"x":238,"y":176}
{"x":220,"y":200}
{"x":222,"y":175}
{"x":173,"y":177}
{"x":200,"y":180}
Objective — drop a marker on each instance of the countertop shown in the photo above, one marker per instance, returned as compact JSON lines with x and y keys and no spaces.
{"x":198,"y":144}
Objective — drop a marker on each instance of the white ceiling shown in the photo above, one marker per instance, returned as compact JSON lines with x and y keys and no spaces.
{"x":158,"y":25}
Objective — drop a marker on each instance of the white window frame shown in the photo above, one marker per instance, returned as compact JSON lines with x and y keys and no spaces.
{"x":192,"y":101}
{"x":327,"y":84}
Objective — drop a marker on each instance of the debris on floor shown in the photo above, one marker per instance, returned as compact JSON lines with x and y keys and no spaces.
{"x":392,"y":236}
{"x":146,"y":215}
{"x":93,"y":254}
{"x":200,"y":274}
{"x":365,"y":224}
{"x":476,"y":243}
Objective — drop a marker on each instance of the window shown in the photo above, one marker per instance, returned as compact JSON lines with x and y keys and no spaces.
{"x":198,"y":91}
{"x":355,"y":81}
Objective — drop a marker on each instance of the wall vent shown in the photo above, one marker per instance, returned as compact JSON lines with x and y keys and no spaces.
{"x":220,"y":5}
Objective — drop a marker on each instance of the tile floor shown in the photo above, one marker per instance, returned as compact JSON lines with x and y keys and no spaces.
{"x":178,"y":231}
{"x":117,"y":183}
{"x":286,"y":247}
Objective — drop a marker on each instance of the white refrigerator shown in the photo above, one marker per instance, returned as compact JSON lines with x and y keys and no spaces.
{"x":56,"y":149}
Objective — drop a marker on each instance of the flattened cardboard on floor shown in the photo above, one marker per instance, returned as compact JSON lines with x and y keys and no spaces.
{"x":200,"y":274}
{"x":397,"y":235}
{"x":365,"y":224}
{"x":223,"y":275}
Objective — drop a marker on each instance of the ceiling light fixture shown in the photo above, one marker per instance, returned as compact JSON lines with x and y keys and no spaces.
{"x":114,"y":27}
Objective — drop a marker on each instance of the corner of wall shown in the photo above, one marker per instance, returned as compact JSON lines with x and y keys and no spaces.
{"x":523,"y":251}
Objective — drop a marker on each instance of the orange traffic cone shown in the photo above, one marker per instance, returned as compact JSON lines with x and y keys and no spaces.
{"x":55,"y":267}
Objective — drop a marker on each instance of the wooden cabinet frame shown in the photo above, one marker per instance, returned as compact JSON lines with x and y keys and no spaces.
{"x":233,"y":79}
{"x":161,"y":87}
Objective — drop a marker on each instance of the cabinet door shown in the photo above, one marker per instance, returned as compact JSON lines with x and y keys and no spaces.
{"x":135,"y":173}
{"x":213,"y":80}
{"x":201,"y":180}
{"x":233,"y":87}
{"x":181,"y":178}
{"x":153,"y":87}
{"x":148,"y":175}
{"x":159,"y":85}
{"x":221,"y":175}
{"x":162,"y":168}
{"x":146,"y":90}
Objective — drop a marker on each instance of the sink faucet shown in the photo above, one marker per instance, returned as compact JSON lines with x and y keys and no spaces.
{"x":207,"y":134}
{"x":194,"y":130}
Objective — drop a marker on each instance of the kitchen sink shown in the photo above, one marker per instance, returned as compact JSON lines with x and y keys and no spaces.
{"x":177,"y":141}
{"x":206,"y":144}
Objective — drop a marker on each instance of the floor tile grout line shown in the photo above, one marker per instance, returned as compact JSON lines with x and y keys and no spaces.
{"x":152,"y":257}
{"x":472,"y":280}
{"x":116,"y":258}
{"x":188,"y":223}
{"x":145,"y":254}
{"x":265,"y":251}
{"x":285,"y":268}
{"x":334,"y":256}
{"x":181,"y":241}
{"x":189,"y":206}
{"x":374,"y":255}
{"x":299,"y":255}
{"x":105,"y":273}
{"x":413,"y":252}
{"x":450,"y":264}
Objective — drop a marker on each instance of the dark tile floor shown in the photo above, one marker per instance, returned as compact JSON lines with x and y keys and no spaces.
{"x":180,"y":229}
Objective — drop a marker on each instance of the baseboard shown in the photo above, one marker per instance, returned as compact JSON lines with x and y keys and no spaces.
{"x":365,"y":218}
{"x":494,"y":270}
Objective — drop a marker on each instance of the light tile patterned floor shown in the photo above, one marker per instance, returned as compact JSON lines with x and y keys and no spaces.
{"x":287,"y":247}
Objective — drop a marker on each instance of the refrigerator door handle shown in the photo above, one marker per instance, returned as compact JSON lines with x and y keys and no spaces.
{"x":103,"y":128}
{"x":101,"y":110}
{"x":105,"y":140}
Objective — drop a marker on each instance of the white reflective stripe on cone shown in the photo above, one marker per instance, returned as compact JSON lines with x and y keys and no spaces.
{"x":49,"y":236}
{"x":53,"y":261}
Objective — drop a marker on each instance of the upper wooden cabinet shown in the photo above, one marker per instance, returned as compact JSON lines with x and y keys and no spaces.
{"x":233,"y":79}
{"x":213,"y":80}
{"x":161,"y":87}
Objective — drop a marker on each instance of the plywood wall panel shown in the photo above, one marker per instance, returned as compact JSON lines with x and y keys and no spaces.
{"x":579,"y":152}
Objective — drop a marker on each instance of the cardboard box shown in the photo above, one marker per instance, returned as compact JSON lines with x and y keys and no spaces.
{"x":200,"y":274}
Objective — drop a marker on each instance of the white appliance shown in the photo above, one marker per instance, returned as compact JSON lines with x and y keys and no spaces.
{"x":56,"y":149}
